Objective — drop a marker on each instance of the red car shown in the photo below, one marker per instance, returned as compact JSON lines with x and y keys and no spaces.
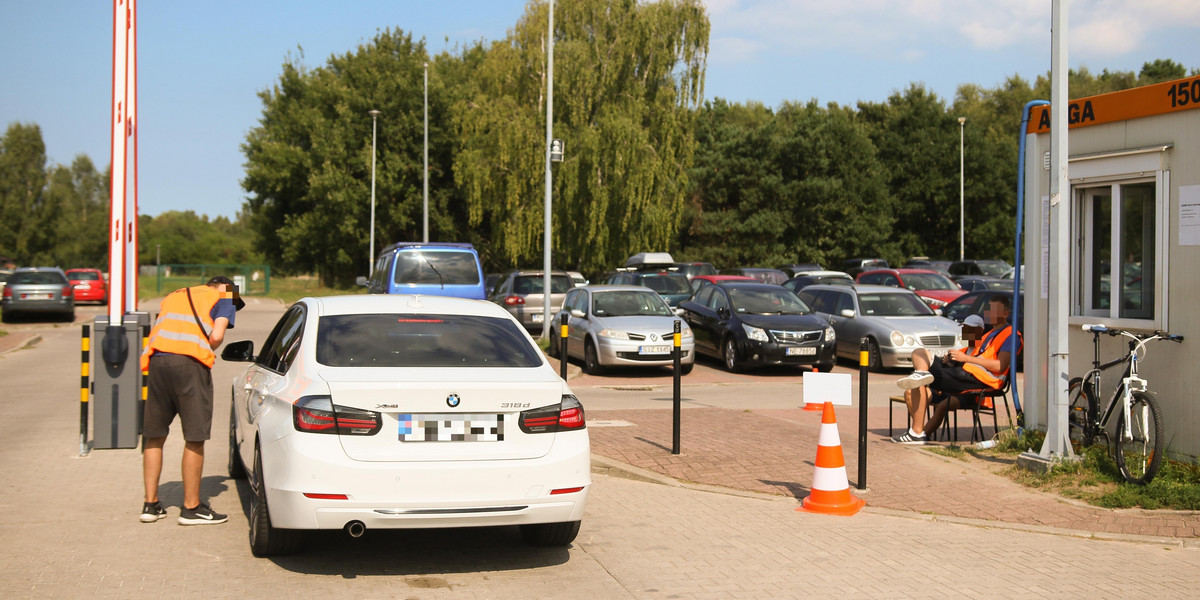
{"x":700,"y":281}
{"x":935,"y":289}
{"x":89,"y":285}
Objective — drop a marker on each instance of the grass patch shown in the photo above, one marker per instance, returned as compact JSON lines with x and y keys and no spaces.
{"x":1094,"y":478}
{"x":952,"y":451}
{"x":285,"y":289}
{"x":4,"y":333}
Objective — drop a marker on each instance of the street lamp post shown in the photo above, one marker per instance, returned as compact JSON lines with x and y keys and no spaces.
{"x":962,"y":214}
{"x":425,"y":181}
{"x":371,"y":258}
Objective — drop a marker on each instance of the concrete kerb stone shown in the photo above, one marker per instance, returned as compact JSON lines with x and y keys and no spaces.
{"x":20,"y":345}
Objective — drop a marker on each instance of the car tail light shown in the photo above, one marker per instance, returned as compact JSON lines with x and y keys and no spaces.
{"x":68,"y":291}
{"x":7,"y":292}
{"x":318,"y":414}
{"x":564,"y":416}
{"x":513,"y":300}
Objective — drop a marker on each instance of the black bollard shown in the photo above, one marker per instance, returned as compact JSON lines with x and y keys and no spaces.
{"x":863,"y":368}
{"x":676,"y":351}
{"x":562,"y":345}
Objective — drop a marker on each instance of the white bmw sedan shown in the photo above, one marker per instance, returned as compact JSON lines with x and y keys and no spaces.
{"x":400,"y":411}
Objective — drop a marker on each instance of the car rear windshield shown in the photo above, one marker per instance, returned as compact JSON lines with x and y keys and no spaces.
{"x":928,"y":281}
{"x":993,"y":268}
{"x":400,"y":340}
{"x":83,"y":275}
{"x":533,"y":284}
{"x":441,"y":267}
{"x":45,"y":278}
{"x":893,"y":305}
{"x":667,"y":283}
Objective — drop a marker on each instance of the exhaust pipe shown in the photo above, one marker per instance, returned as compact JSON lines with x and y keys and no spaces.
{"x":355,"y":529}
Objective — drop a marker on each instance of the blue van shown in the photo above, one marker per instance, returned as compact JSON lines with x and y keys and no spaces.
{"x":433,"y":268}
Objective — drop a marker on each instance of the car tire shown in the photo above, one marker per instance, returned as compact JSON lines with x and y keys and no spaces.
{"x":874,"y":356}
{"x":550,"y":534}
{"x":684,"y":369}
{"x":552,"y":349}
{"x":591,"y":359}
{"x":234,"y":466}
{"x":824,"y":367}
{"x":266,"y":540}
{"x":729,"y":354}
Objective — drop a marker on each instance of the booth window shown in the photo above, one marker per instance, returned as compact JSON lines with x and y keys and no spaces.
{"x":1117,"y":237}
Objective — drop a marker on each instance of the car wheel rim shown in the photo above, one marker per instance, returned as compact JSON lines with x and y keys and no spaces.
{"x":730,"y":355}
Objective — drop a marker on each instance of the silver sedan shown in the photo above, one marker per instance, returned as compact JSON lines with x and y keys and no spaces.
{"x":622,"y":325}
{"x":894,"y":320}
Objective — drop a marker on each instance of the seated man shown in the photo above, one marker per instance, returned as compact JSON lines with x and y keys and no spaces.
{"x":982,"y":366}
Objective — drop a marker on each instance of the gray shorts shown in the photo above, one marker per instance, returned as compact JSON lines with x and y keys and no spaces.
{"x":178,"y":385}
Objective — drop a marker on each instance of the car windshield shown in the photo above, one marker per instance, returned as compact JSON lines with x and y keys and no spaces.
{"x":533,"y":284}
{"x":767,"y":302}
{"x":893,"y":305}
{"x":82,"y":275}
{"x":399,"y":340}
{"x":629,"y":304}
{"x":928,"y":281}
{"x":42,"y":278}
{"x":441,"y":267}
{"x":667,"y":283}
{"x":993,"y":268}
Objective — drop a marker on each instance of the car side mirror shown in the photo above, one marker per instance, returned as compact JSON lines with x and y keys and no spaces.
{"x":361,"y":281}
{"x":578,"y":314}
{"x":939,"y":312}
{"x":679,"y":311}
{"x":242,"y":351}
{"x":847,"y":312}
{"x":724,"y":313}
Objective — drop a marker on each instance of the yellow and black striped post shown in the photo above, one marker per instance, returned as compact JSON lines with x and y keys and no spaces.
{"x":864,"y":366}
{"x":84,"y":377}
{"x":563,"y":329}
{"x":145,"y":383}
{"x":675,"y":351}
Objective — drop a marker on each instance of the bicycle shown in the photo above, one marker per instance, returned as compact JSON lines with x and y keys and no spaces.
{"x":1138,"y":436}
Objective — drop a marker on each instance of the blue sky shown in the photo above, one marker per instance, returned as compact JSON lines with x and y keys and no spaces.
{"x":201,"y":64}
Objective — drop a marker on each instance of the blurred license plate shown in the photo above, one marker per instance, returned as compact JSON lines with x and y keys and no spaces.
{"x":454,"y":427}
{"x":805,"y":351}
{"x":37,"y":296}
{"x":654,"y":350}
{"x":537,"y":317}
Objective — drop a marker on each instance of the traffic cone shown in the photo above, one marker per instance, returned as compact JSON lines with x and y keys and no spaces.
{"x":830,"y":488}
{"x":814,"y":405}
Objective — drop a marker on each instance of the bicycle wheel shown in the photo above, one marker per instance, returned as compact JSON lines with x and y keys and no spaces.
{"x":1139,"y":455}
{"x":1081,"y":415}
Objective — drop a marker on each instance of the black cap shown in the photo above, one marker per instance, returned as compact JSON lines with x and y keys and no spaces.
{"x":238,"y":303}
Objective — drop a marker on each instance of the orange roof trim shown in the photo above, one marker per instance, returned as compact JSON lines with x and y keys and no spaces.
{"x":1157,"y":99}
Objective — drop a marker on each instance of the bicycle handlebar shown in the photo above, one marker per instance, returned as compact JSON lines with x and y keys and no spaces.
{"x":1098,"y":328}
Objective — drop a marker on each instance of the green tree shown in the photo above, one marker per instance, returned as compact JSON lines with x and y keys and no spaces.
{"x":628,"y":78}
{"x":25,"y":215}
{"x":1159,"y":70}
{"x":81,"y":195}
{"x":183,"y":237}
{"x":308,"y":168}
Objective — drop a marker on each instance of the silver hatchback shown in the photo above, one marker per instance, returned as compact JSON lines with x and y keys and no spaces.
{"x":38,"y":290}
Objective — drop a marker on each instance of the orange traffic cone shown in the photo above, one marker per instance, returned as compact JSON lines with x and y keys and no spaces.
{"x":814,"y":405}
{"x":830,"y":488}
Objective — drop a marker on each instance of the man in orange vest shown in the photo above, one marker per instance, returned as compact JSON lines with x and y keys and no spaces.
{"x":983,"y":366}
{"x":179,"y":356}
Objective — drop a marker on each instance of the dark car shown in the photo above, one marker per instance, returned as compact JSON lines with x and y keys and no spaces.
{"x":987,"y":268}
{"x":757,"y":324}
{"x":89,"y":285}
{"x":774,"y":276}
{"x":699,"y":281}
{"x":975,"y":283}
{"x":854,"y":266}
{"x":673,"y":286}
{"x":38,"y":290}
{"x":973,"y":303}
{"x":692,"y":269}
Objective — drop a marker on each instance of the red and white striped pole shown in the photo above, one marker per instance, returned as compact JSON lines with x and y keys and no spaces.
{"x":122,"y":254}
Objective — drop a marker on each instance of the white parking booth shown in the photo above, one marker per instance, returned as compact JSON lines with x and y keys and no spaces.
{"x":1134,"y":170}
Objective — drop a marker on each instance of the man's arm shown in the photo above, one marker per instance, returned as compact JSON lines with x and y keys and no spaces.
{"x":218,"y":333}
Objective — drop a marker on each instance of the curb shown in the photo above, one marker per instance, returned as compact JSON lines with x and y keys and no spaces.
{"x":614,"y":468}
{"x":27,"y":342}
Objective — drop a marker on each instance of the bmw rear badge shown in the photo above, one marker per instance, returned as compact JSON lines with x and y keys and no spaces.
{"x":452,"y":400}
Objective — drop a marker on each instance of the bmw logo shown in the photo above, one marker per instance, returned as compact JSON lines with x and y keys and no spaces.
{"x":452,"y":400}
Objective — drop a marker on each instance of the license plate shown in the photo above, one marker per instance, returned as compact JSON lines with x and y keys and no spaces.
{"x":37,"y":296}
{"x":81,"y":286}
{"x":454,"y":427}
{"x":537,"y":317}
{"x":802,"y":351}
{"x":654,"y":350}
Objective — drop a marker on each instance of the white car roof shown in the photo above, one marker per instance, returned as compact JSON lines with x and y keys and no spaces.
{"x":403,"y":303}
{"x":822,"y":274}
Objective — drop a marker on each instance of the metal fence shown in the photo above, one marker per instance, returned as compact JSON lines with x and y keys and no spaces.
{"x":251,"y":279}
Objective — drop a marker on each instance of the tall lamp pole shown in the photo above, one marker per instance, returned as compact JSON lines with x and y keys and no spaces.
{"x":371,"y":259}
{"x":425,"y":222}
{"x":546,"y":288}
{"x":962,"y":214}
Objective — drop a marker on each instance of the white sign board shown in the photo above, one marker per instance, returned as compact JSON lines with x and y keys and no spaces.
{"x":1189,"y":215}
{"x":820,"y":388}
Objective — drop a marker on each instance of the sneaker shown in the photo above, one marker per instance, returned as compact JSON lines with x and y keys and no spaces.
{"x":201,"y":515}
{"x":152,"y":512}
{"x":915,"y":380}
{"x":908,"y":438}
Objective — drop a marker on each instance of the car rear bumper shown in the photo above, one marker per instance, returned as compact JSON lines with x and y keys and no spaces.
{"x":43,"y":306}
{"x":89,"y":295}
{"x":423,"y":494}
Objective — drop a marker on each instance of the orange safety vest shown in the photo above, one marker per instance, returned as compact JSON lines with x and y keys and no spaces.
{"x":995,"y":342}
{"x":176,"y":331}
